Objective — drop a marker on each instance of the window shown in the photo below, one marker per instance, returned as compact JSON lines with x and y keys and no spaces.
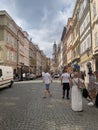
{"x":15,"y":57}
{"x":12,"y":41}
{"x":81,"y":49}
{"x":85,"y":44}
{"x":96,"y":39}
{"x":1,"y":34}
{"x":7,"y":38}
{"x":88,"y":18}
{"x":8,"y":55}
{"x":82,"y":8}
{"x":94,"y":9}
{"x":89,"y":41}
{"x":85,"y":2}
{"x":11,"y":56}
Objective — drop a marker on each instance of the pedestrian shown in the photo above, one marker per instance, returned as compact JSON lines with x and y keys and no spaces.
{"x":65,"y":83}
{"x":91,"y":88}
{"x":76,"y":94}
{"x":83,"y":75}
{"x":24,"y":76}
{"x":84,"y":90}
{"x":47,"y":80}
{"x":96,"y":84}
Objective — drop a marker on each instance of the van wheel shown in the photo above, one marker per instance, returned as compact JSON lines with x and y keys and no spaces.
{"x":11,"y":84}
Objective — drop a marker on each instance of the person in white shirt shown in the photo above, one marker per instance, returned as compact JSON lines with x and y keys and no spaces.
{"x":47,"y":80}
{"x":24,"y":76}
{"x":65,"y":82}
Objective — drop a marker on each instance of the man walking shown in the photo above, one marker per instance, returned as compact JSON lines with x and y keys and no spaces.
{"x":96,"y":84}
{"x":65,"y":82}
{"x":47,"y":80}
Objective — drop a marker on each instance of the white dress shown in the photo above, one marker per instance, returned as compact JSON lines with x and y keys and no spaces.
{"x":76,"y":96}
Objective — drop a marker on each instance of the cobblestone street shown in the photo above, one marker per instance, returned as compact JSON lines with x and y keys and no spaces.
{"x":23,"y":108}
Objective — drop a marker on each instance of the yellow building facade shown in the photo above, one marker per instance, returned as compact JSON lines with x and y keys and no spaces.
{"x":94,"y":25}
{"x":84,"y":44}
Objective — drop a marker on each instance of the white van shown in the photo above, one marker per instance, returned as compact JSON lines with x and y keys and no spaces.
{"x":6,"y":76}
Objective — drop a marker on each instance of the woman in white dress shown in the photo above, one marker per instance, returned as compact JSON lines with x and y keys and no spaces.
{"x":76,"y":95}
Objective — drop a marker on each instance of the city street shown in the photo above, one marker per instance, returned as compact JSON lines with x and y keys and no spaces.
{"x":23,"y":108}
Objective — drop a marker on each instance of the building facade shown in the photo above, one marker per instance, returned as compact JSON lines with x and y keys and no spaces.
{"x":94,"y":27}
{"x":8,"y":40}
{"x":84,"y":31}
{"x":17,"y":50}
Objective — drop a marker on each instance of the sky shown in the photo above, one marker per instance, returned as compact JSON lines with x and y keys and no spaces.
{"x":43,"y":20}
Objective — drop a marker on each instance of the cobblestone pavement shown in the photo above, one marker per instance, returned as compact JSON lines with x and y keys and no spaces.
{"x":23,"y":108}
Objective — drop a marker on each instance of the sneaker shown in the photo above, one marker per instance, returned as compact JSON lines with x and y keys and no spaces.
{"x":90,"y":104}
{"x":80,"y":111}
{"x":88,"y":99}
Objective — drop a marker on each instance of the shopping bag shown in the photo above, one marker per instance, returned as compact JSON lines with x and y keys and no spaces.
{"x":92,"y":93}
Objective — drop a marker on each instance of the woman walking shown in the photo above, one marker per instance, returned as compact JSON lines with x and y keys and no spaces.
{"x":76,"y":95}
{"x":91,"y":88}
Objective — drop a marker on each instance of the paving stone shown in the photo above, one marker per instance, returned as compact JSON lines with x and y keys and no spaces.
{"x":23,"y":108}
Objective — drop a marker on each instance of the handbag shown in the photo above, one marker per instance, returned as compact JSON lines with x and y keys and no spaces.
{"x":79,"y":84}
{"x":85,"y":93}
{"x":93,"y":93}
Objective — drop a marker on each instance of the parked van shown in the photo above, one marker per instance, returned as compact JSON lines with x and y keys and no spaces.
{"x":6,"y":76}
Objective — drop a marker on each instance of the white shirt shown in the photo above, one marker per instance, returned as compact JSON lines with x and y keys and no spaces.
{"x":47,"y":78}
{"x":65,"y":77}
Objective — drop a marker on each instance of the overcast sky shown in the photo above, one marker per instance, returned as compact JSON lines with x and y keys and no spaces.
{"x":42,"y":19}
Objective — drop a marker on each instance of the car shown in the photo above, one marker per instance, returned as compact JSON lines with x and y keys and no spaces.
{"x":6,"y":76}
{"x":32,"y":76}
{"x":56,"y":76}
